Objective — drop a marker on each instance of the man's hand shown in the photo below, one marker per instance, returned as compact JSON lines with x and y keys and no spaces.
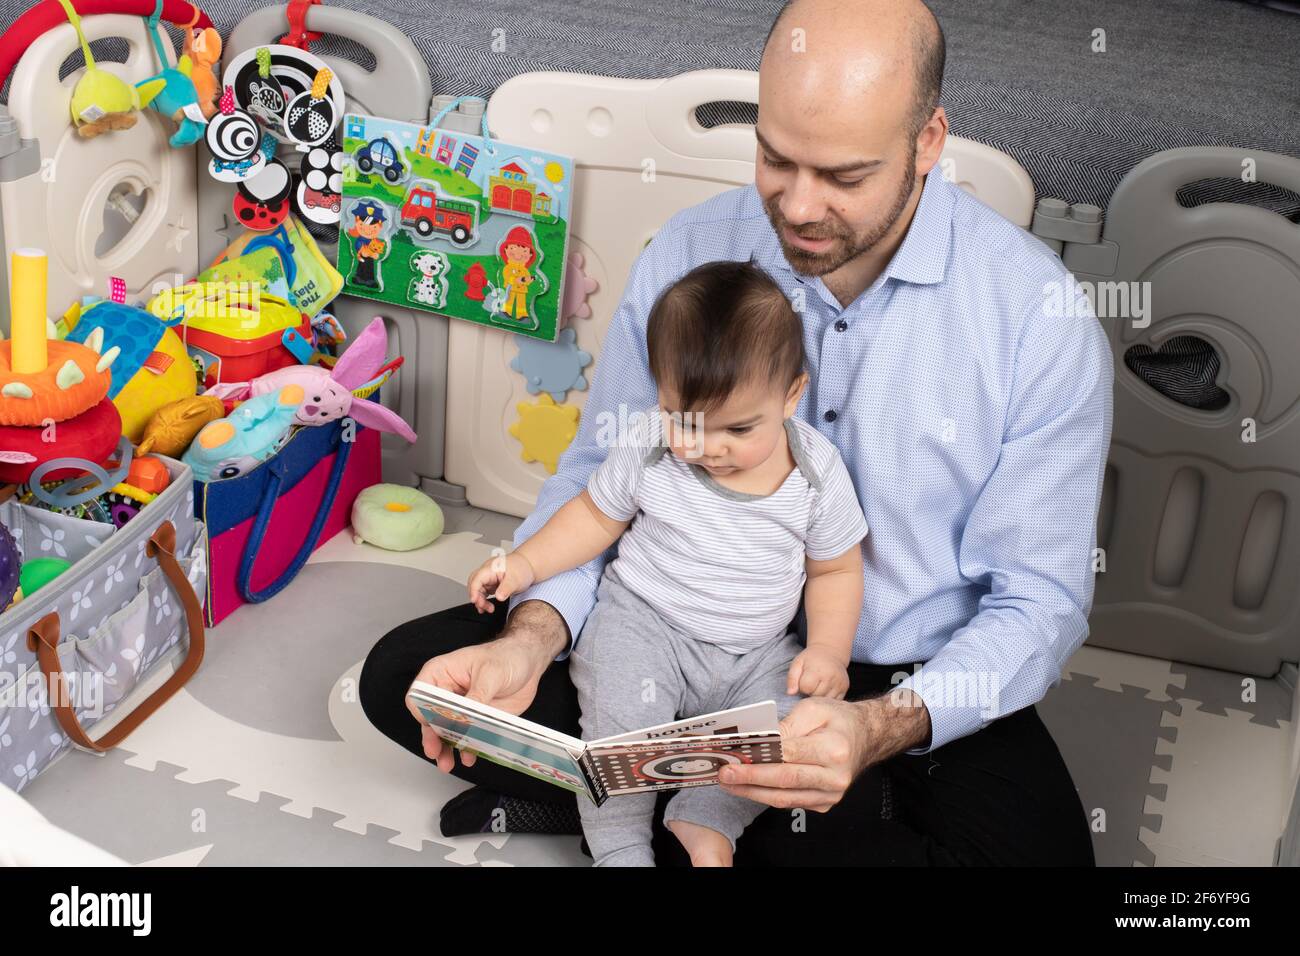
{"x":825,"y":744}
{"x":502,"y":673}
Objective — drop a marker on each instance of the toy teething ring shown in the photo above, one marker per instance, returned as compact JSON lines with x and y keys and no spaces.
{"x":77,"y":491}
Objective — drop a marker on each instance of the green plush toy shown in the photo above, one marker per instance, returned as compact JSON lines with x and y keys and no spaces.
{"x":395,"y":518}
{"x":101,"y":101}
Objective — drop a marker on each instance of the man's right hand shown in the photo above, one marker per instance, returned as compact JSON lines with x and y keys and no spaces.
{"x":502,"y":673}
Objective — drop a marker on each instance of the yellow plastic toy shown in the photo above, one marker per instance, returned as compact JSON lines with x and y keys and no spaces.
{"x":545,"y":430}
{"x":102,"y":102}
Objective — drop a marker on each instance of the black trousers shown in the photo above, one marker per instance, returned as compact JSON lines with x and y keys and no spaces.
{"x":1002,"y":796}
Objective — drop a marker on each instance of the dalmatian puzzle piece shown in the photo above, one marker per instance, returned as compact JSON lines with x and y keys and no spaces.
{"x":429,"y":287}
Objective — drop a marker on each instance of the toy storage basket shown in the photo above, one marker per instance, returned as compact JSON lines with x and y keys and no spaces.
{"x":96,"y":632}
{"x":264,"y":525}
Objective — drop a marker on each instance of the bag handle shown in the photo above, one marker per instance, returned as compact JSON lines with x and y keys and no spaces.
{"x":43,"y":638}
{"x":270,"y":495}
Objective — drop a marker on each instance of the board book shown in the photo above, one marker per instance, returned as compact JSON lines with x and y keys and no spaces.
{"x":683,"y":753}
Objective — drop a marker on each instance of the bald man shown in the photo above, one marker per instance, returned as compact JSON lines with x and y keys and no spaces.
{"x":973,"y":413}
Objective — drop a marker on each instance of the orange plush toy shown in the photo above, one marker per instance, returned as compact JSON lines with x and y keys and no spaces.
{"x":53,"y":394}
{"x":204,"y":50}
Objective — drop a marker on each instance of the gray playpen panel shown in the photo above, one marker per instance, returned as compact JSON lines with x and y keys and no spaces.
{"x":398,"y":87}
{"x":1199,"y":514}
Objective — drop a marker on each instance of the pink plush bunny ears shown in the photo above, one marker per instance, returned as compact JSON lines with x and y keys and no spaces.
{"x":364,"y":357}
{"x":358,"y":364}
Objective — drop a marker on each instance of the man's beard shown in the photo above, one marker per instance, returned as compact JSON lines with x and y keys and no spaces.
{"x":847,"y":246}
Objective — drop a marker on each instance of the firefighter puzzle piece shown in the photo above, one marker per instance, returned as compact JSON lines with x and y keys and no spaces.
{"x":261,"y":202}
{"x":577,"y":287}
{"x":290,"y":72}
{"x":552,"y":367}
{"x":429,"y":285}
{"x":545,"y":429}
{"x":235,"y":141}
{"x":519,"y":281}
{"x":312,"y":116}
{"x":318,"y":197}
{"x":500,"y":214}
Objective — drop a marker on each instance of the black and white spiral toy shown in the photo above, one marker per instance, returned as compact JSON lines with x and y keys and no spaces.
{"x":232,"y":135}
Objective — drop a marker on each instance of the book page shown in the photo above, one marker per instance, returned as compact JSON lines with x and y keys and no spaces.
{"x":676,"y":762}
{"x":750,"y":719}
{"x":501,"y":737}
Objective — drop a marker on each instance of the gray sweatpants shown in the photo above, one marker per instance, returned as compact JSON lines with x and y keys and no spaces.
{"x":632,"y":670}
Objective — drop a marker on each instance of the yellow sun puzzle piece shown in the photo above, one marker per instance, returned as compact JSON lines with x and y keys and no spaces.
{"x":545,"y":430}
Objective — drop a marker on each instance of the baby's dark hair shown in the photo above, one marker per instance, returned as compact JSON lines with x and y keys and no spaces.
{"x":720,"y":327}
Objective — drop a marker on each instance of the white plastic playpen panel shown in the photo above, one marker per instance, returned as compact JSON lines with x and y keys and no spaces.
{"x":612,"y":127}
{"x":63,"y":208}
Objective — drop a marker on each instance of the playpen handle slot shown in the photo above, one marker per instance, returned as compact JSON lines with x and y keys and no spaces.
{"x":1172,"y":169}
{"x":43,"y":638}
{"x":269,"y":497}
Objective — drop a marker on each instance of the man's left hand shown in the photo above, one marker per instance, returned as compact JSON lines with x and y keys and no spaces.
{"x":825,"y":744}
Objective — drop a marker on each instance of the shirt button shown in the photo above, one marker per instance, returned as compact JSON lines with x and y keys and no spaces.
{"x":830,"y":416}
{"x":841,"y":325}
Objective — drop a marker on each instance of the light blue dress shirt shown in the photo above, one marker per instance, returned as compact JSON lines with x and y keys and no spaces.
{"x":969,"y":393}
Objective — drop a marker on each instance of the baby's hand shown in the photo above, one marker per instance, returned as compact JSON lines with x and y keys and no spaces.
{"x":818,"y":673}
{"x":500,"y":576}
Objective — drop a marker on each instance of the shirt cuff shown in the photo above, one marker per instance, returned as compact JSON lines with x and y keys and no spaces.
{"x":953,"y":700}
{"x":571,"y":593}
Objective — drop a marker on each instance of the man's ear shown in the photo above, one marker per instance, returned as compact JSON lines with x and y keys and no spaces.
{"x":930,"y":142}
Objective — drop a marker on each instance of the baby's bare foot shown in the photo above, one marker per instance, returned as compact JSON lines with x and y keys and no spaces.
{"x":707,"y":847}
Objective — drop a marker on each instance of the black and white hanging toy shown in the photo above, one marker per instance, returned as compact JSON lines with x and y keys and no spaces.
{"x":311,"y":117}
{"x":234,"y":139}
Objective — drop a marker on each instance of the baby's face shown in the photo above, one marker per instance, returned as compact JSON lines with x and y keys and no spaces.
{"x":740,"y":435}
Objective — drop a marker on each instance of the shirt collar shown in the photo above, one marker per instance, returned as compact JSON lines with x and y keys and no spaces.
{"x":922,"y":258}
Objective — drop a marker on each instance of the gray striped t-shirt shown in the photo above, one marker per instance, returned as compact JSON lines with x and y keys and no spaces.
{"x":724,"y":566}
